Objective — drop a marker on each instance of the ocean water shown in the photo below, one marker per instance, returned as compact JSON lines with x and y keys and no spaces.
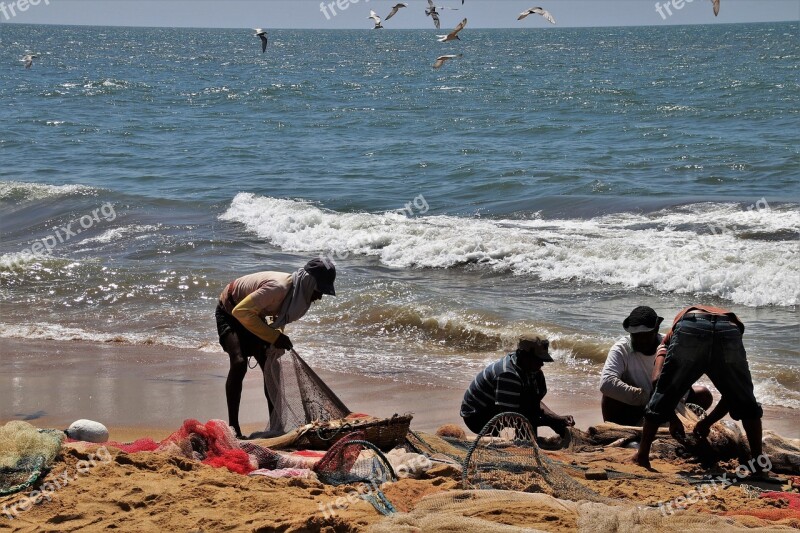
{"x":546,"y":182}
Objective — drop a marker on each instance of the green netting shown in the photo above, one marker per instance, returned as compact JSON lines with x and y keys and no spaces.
{"x":25,"y":452}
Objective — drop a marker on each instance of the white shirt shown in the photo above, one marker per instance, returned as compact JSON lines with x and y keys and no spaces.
{"x":627,"y":374}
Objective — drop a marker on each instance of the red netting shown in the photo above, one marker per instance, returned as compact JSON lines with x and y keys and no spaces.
{"x":340,"y":458}
{"x":793,"y":497}
{"x":214,"y":443}
{"x":793,"y":511}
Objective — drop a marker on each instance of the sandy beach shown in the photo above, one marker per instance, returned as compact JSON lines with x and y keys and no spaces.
{"x":150,"y":390}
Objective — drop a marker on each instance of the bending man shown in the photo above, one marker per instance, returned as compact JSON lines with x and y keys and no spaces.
{"x":251,"y":314}
{"x":703,"y":340}
{"x":627,"y":379}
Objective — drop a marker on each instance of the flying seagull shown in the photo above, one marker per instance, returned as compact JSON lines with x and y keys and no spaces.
{"x":539,"y":11}
{"x":431,"y":12}
{"x":716,"y":7}
{"x":395,"y":9}
{"x":453,"y":35}
{"x":262,"y":34}
{"x":28,"y":59}
{"x":441,"y":59}
{"x":374,"y":16}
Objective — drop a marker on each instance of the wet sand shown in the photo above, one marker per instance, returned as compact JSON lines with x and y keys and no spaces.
{"x":149,"y":390}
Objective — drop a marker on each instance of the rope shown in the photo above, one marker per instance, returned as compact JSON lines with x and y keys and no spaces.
{"x":38,"y":466}
{"x":380,"y":502}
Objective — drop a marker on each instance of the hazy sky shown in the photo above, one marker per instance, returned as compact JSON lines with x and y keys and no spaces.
{"x":308,"y":14}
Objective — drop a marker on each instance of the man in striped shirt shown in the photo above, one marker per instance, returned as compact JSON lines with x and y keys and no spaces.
{"x":513,"y":383}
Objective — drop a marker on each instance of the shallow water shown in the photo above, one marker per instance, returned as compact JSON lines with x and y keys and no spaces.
{"x":549,"y":183}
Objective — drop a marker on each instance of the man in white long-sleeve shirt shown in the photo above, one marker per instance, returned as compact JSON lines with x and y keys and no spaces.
{"x":627,"y":379}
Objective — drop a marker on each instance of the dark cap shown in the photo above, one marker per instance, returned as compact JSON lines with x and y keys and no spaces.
{"x":642,"y":319}
{"x":528,"y":347}
{"x":324,"y":273}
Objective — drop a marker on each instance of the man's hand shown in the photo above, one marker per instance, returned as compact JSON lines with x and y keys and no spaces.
{"x":676,"y":429}
{"x":568,"y":420}
{"x":702,"y":428}
{"x":283,"y":342}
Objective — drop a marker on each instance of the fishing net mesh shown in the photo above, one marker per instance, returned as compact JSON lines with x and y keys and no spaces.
{"x":353,"y":460}
{"x":25,"y":452}
{"x":505,"y":456}
{"x":501,"y":511}
{"x":298,"y":394}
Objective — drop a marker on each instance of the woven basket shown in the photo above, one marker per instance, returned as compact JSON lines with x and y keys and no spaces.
{"x":385,"y":433}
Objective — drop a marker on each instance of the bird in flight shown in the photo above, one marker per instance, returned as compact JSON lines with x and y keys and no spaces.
{"x":262,"y":34}
{"x":374,"y":16}
{"x":453,"y":35}
{"x":716,"y":7}
{"x":431,"y":12}
{"x":441,"y":59}
{"x":539,"y":11}
{"x":395,"y":9}
{"x":28,"y":59}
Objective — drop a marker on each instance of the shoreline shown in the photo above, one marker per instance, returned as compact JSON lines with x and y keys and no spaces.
{"x":148,"y":390}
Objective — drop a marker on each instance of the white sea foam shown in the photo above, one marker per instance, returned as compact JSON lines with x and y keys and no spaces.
{"x":20,"y":190}
{"x":695,"y":249}
{"x":115,"y":234}
{"x":49,"y":331}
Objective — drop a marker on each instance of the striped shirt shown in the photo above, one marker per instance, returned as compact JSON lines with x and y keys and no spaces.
{"x":503,"y":386}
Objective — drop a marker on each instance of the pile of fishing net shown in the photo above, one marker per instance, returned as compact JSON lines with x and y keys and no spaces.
{"x":792,"y":511}
{"x":500,"y":511}
{"x":25,"y":453}
{"x":213,"y":443}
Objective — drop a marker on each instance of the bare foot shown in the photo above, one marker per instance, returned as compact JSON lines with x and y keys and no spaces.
{"x":635,"y":459}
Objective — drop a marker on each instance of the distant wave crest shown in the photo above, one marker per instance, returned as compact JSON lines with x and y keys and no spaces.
{"x":749,"y":257}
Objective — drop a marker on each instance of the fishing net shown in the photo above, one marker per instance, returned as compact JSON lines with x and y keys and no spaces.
{"x":500,"y":511}
{"x":213,"y":443}
{"x":352,"y":460}
{"x":298,"y":394}
{"x":25,"y":452}
{"x":784,"y":453}
{"x":505,"y":456}
{"x":792,"y":511}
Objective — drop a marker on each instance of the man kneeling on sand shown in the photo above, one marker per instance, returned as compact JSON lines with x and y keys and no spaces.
{"x":627,"y":379}
{"x":513,"y":383}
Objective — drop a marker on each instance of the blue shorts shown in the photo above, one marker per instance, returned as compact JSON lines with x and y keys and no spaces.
{"x":705,"y":345}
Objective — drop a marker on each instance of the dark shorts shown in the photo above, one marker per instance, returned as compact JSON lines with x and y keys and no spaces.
{"x":703,"y":346}
{"x":250,"y":344}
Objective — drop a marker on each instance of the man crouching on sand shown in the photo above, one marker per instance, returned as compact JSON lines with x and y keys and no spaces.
{"x":242,"y":312}
{"x":703,"y":340}
{"x":627,"y":379}
{"x":514,"y":383}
